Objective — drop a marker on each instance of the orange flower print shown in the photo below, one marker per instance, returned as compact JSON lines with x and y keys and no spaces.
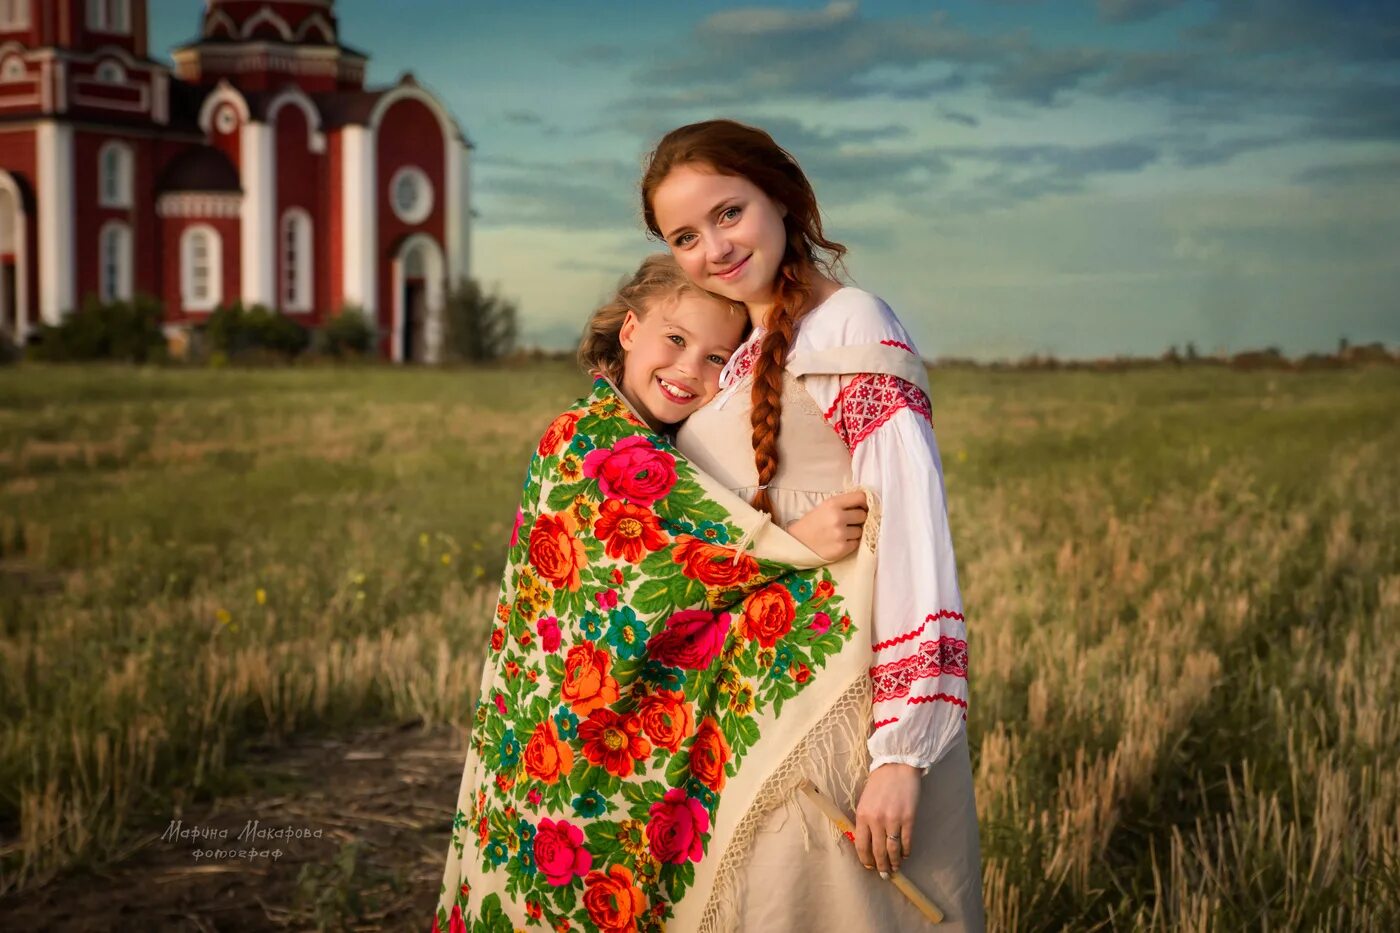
{"x":629,"y":531}
{"x":712,"y":564}
{"x":666,"y":718}
{"x":559,"y":433}
{"x":709,"y":753}
{"x":587,"y":684}
{"x":546,"y":758}
{"x":613,"y":741}
{"x":613,"y":902}
{"x":555,"y":553}
{"x":768,"y":615}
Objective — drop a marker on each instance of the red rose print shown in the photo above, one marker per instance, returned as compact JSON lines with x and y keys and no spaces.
{"x":677,"y":827}
{"x":691,"y":639}
{"x":559,"y":852}
{"x":633,"y":470}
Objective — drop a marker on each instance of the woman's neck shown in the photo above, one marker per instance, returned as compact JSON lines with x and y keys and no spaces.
{"x":760,"y":311}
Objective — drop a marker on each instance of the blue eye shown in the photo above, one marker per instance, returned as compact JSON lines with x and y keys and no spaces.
{"x":717,"y":359}
{"x":730,"y":213}
{"x":684,"y":239}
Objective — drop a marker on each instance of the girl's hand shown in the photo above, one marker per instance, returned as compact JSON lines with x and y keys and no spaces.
{"x":886,"y":808}
{"x":833,"y":529}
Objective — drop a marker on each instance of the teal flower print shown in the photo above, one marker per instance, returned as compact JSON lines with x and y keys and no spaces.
{"x":801,"y":590}
{"x":713,"y":532}
{"x":567,"y":724}
{"x":509,"y":749}
{"x":628,"y":635}
{"x":497,"y":853}
{"x":590,"y":803}
{"x":591,"y":625}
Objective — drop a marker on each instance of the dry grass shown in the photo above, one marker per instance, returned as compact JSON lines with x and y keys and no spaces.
{"x":1182,"y":587}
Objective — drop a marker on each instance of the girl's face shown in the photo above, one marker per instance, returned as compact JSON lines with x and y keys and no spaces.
{"x":675,"y":353}
{"x":724,"y":231}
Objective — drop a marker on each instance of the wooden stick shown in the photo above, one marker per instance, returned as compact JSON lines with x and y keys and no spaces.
{"x":906,"y":887}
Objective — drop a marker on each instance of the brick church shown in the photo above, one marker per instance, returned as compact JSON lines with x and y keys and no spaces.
{"x":261,"y":169}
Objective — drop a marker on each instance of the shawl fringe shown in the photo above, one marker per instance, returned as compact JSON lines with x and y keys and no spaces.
{"x":852,"y":707}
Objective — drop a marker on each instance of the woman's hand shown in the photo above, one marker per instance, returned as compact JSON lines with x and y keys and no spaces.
{"x":885,"y":817}
{"x":833,"y":529}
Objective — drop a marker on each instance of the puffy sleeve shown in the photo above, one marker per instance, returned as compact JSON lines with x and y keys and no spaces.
{"x":918,"y":666}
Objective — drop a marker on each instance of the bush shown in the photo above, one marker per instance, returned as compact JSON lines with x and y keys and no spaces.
{"x":129,"y":331}
{"x":249,"y":333}
{"x":350,"y":333}
{"x":479,"y":326}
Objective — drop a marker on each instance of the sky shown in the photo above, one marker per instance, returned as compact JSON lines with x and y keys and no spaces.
{"x":1082,"y":178}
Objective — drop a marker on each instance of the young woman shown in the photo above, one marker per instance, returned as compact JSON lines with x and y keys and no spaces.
{"x":827,"y":393}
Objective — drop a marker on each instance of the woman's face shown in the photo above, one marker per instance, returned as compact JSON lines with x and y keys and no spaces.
{"x":724,"y":231}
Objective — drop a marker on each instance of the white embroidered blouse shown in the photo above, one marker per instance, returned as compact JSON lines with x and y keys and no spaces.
{"x":919,"y":644}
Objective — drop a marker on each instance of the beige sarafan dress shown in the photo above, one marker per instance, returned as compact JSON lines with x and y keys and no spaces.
{"x":801,"y":874}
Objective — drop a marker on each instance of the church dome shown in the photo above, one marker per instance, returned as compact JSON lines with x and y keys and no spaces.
{"x":203,"y":169}
{"x":291,"y":22}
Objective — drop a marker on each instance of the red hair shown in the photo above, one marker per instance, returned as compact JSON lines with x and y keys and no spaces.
{"x":730,"y":148}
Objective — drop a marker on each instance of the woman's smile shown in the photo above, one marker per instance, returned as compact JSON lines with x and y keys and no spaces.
{"x":734,"y":271}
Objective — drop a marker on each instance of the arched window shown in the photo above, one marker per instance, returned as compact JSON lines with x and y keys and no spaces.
{"x":296,"y":260}
{"x":113,"y":16}
{"x":14,"y":14}
{"x":201,"y":268}
{"x":13,"y":69}
{"x":110,"y":72}
{"x":114,"y":169}
{"x":114,"y":252}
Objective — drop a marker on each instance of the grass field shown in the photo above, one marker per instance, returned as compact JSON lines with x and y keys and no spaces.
{"x":1182,"y":588}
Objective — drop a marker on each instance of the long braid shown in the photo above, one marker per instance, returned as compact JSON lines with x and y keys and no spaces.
{"x":792,"y":294}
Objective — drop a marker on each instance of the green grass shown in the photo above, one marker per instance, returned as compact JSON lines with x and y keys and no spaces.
{"x":1182,"y":588}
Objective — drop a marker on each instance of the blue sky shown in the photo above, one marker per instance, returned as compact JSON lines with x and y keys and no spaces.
{"x":1077,"y":177}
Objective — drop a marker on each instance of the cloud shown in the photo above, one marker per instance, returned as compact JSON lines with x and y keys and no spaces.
{"x":1357,"y":30}
{"x":1130,"y":11}
{"x":1197,"y":152}
{"x":768,"y":21}
{"x":592,"y":194}
{"x":765,"y":53}
{"x":1040,"y":76}
{"x":1380,"y":173}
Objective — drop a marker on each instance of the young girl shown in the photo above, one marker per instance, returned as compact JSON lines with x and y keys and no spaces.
{"x":829,"y":390}
{"x":648,"y":621}
{"x":662,"y":342}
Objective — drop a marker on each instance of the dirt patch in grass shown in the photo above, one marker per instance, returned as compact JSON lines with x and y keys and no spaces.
{"x":381,"y":803}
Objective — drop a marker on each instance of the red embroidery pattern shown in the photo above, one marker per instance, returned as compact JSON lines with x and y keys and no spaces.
{"x":897,"y":343}
{"x":940,"y":698}
{"x":748,"y":356}
{"x":946,"y":656}
{"x":883,"y":722}
{"x":910,"y":636}
{"x":869,"y":401}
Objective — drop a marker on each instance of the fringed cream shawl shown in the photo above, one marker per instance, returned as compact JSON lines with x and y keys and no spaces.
{"x":663,"y":662}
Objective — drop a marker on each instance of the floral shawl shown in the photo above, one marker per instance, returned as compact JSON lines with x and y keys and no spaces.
{"x":661,"y":655}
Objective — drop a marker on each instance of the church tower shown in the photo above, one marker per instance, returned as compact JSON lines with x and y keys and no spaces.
{"x":82,"y":102}
{"x":261,"y":45}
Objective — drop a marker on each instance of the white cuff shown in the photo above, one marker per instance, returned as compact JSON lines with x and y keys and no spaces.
{"x":920,"y":763}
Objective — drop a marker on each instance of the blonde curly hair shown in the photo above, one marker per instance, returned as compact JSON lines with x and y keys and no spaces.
{"x":658,"y":277}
